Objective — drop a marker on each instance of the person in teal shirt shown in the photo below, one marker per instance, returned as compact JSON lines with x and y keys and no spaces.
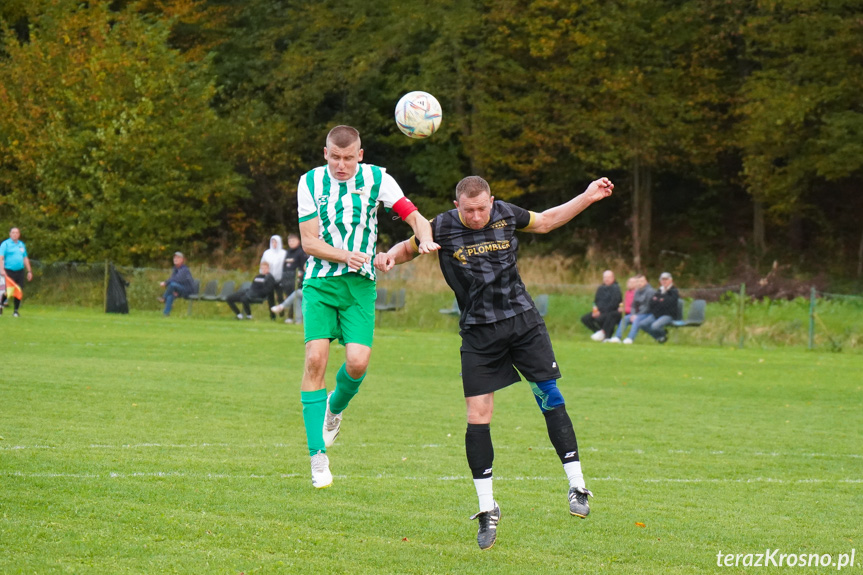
{"x":13,"y":260}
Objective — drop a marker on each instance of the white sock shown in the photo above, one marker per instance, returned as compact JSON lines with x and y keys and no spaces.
{"x":573,"y":473}
{"x":484,"y":493}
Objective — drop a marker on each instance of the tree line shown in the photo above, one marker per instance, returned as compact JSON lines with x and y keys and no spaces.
{"x":732,"y":128}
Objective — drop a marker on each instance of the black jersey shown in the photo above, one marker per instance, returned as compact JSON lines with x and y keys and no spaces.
{"x":480,"y":265}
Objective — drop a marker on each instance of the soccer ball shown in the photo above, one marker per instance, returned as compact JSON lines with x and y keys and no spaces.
{"x":418,"y":114}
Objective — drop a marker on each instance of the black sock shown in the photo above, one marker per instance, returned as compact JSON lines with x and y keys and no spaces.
{"x":562,"y":434}
{"x":479,"y":449}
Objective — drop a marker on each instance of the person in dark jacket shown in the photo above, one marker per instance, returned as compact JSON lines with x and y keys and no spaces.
{"x":261,"y":289}
{"x":663,"y":309}
{"x":292,"y":274}
{"x":180,"y":284}
{"x":605,"y":315}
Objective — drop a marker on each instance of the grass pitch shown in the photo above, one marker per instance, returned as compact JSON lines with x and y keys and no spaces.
{"x":137,"y":444}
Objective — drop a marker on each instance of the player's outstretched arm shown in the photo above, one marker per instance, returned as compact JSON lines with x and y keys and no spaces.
{"x":553,"y":218}
{"x":423,"y":232}
{"x":314,"y":246}
{"x":398,"y":254}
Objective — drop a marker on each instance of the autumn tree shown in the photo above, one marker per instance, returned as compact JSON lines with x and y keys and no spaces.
{"x":801,"y":121}
{"x":108,"y":145}
{"x":632,"y":88}
{"x":290,"y":71}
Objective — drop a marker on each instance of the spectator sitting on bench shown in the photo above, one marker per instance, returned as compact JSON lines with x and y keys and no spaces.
{"x":640,"y":308}
{"x":663,"y":309}
{"x":180,"y":284}
{"x":292,"y":278}
{"x":262,"y":286}
{"x":293,"y":302}
{"x":604,"y":316}
{"x":625,"y":308}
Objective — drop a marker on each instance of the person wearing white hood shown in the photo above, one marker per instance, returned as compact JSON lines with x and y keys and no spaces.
{"x":275,"y":256}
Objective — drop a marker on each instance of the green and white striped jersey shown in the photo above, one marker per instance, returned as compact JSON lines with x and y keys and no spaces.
{"x":347,"y":213}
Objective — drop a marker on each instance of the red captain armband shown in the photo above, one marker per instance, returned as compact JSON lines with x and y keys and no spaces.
{"x":404,"y":207}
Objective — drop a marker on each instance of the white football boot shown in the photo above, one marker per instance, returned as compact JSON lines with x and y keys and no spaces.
{"x":321,"y":476}
{"x":332,"y":424}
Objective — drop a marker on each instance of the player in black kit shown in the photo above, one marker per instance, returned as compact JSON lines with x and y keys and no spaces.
{"x":501,"y":328}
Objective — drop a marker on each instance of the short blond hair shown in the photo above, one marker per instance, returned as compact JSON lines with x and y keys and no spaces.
{"x":343,"y":136}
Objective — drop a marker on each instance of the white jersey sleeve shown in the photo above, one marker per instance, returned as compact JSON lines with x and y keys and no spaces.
{"x":390,"y":191}
{"x":306,"y":206}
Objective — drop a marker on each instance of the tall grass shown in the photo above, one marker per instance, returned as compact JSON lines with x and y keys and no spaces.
{"x":570,"y":285}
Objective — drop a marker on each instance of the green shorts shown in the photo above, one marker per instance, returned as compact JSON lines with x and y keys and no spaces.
{"x":340,"y":307}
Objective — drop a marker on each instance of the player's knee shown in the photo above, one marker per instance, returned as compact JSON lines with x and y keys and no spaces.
{"x":356,"y":365}
{"x":315,"y":359}
{"x":479,"y":409}
{"x":356,"y":369}
{"x":357,"y":361}
{"x":547,"y":395}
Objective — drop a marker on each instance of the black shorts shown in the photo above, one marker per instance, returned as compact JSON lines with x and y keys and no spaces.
{"x":491,"y":353}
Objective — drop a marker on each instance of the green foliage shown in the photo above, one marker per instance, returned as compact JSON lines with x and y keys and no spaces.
{"x":801,"y":120}
{"x":14,"y":11}
{"x":108,"y":145}
{"x":291,"y":71}
{"x":604,"y":84}
{"x":129,"y":128}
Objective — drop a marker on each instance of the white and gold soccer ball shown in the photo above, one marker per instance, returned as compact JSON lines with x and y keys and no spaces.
{"x":418,"y":114}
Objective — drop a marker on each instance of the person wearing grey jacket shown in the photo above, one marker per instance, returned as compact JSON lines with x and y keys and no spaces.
{"x":640,"y":311}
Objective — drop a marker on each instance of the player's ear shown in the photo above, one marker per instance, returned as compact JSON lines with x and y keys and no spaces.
{"x":326,"y":153}
{"x":360,"y":155}
{"x":455,"y":203}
